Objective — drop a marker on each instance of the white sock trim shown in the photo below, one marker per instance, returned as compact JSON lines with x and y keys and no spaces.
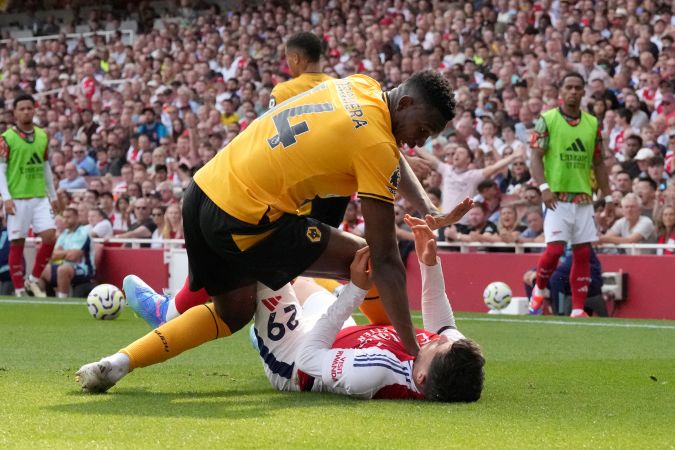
{"x":171,"y":311}
{"x":120,"y":366}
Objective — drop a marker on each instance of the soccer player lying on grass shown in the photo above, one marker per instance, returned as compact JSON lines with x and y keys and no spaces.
{"x":311,"y":345}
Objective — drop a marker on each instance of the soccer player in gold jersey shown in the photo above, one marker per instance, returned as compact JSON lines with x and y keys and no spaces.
{"x":240,"y":212}
{"x":340,"y":137}
{"x":303,"y":56}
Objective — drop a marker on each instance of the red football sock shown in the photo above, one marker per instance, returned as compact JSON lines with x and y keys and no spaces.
{"x":16,"y":267}
{"x":186,"y":299}
{"x":548,"y":262}
{"x":42,"y":258}
{"x":580,"y":275}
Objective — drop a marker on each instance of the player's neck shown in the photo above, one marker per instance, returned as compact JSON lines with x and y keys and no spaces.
{"x":25,"y":127}
{"x":571,"y":112}
{"x":312,"y":68}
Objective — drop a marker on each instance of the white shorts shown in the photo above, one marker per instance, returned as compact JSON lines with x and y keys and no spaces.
{"x":280,"y":325}
{"x":571,"y":223}
{"x":30,"y":211}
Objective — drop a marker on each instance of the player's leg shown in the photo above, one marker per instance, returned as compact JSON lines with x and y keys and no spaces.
{"x":64,"y":277}
{"x":44,"y":226}
{"x":17,"y":230}
{"x":557,"y":233}
{"x":197,"y":326}
{"x":16,"y":266}
{"x":580,"y":276}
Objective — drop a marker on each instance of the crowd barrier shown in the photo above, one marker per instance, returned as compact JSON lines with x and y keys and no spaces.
{"x":650,"y":288}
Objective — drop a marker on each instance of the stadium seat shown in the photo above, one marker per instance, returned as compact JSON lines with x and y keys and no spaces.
{"x":129,"y":25}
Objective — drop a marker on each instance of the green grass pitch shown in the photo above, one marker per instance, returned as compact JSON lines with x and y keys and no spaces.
{"x":561,"y":384}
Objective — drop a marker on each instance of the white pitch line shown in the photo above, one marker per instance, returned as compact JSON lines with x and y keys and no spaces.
{"x":590,"y":323}
{"x":41,"y":302}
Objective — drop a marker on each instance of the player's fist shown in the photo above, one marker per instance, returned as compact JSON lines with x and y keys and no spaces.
{"x":549,"y":199}
{"x":360,"y":272}
{"x":9,"y":207}
{"x":56,"y":206}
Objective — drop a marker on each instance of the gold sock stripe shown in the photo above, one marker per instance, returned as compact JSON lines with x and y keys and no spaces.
{"x":215,"y":321}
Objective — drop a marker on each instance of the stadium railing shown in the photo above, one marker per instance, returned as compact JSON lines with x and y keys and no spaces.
{"x":70,"y":36}
{"x":630,"y":249}
{"x":464,"y":247}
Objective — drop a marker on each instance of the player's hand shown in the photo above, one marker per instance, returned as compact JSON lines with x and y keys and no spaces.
{"x":56,"y":206}
{"x":360,"y":272}
{"x":452,"y":217}
{"x":419,"y":166}
{"x":425,"y":240}
{"x":9,"y":207}
{"x":550,"y":199}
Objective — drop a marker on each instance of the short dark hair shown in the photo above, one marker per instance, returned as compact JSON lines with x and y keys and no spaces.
{"x":457,"y":375}
{"x":572,"y":75}
{"x":22,"y":98}
{"x":306,"y":43}
{"x":532,"y":188}
{"x":435,"y":91}
{"x":161,"y":168}
{"x":634,"y":136}
{"x":650,"y":182}
{"x":486,"y":184}
{"x":625,"y":113}
{"x":106,"y":194}
{"x":95,"y":192}
{"x":657,"y":161}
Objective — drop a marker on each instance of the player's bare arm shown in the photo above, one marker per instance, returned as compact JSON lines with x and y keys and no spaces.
{"x":537,"y":169}
{"x":435,"y":222}
{"x":411,"y":188}
{"x":388,"y":271}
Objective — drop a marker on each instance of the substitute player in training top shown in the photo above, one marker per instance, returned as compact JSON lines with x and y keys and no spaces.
{"x":27,"y":187}
{"x":567,"y":147}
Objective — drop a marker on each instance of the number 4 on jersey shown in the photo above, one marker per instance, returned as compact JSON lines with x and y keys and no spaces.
{"x":286,"y":132}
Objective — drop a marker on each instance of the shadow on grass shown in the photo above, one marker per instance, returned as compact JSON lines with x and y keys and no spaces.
{"x":230,"y":404}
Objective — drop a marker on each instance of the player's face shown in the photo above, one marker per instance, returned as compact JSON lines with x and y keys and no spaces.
{"x":572,"y":91}
{"x":428,"y":353}
{"x":414,"y":123}
{"x":24,"y":111}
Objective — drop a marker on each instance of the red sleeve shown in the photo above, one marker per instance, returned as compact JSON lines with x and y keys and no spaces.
{"x":397,"y":392}
{"x":4,"y":149}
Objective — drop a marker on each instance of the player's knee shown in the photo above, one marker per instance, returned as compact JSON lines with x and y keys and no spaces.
{"x":64,"y":270}
{"x":556,"y":249}
{"x":48,"y":238}
{"x":236,"y":310}
{"x":581,"y":251}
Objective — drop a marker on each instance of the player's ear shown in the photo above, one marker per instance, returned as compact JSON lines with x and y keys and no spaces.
{"x":404,"y":102}
{"x":420,"y":378}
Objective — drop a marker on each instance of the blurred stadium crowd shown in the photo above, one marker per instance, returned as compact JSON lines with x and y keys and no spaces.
{"x":132,"y":115}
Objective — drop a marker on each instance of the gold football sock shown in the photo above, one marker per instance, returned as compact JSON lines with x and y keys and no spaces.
{"x":327,"y":284}
{"x":191,"y":329}
{"x":373,"y":308}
